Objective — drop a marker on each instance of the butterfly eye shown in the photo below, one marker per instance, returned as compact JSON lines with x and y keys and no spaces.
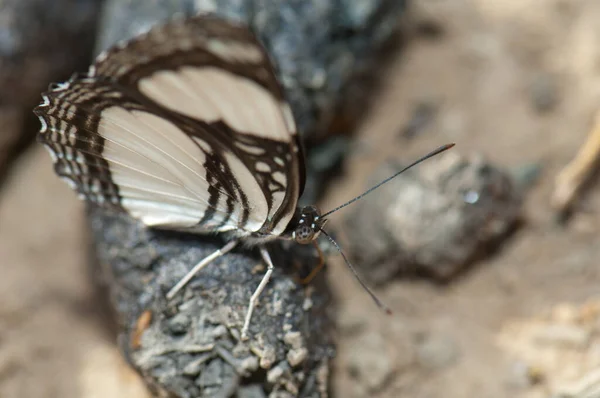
{"x":304,"y":234}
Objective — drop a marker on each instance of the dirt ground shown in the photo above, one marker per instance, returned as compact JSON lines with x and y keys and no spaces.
{"x":515,"y":80}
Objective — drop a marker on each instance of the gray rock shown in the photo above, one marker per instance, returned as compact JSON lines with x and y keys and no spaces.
{"x":434,"y":219}
{"x":40,"y":41}
{"x":191,"y":346}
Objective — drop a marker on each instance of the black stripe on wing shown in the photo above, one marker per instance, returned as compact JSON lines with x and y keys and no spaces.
{"x":76,"y":151}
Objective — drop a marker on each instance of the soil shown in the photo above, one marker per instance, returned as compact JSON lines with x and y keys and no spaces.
{"x":515,"y":80}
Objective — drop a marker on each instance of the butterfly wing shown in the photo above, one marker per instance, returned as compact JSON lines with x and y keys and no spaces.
{"x":184,"y":127}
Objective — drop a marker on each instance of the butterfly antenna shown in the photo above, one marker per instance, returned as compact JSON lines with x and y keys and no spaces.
{"x":375,"y":299}
{"x":429,"y":155}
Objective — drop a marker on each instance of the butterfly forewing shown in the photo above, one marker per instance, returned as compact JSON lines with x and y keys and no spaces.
{"x":184,"y":127}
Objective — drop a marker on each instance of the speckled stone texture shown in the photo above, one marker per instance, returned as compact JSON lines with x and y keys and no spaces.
{"x":434,"y":219}
{"x":190,"y":347}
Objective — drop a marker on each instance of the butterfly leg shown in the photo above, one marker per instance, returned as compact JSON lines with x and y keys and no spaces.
{"x":261,"y":286}
{"x":206,"y":260}
{"x":317,"y":269}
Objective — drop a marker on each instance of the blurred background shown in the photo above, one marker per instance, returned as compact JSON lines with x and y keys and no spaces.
{"x":515,"y":309}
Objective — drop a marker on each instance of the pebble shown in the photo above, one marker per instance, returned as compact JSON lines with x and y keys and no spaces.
{"x":293,"y":339}
{"x":218,"y":331}
{"x":267,"y":357}
{"x":462,"y":196}
{"x":275,"y":374}
{"x":296,"y":356}
{"x":179,"y":324}
{"x":249,"y":364}
{"x":211,"y":374}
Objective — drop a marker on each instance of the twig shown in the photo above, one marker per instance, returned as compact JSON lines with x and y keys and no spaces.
{"x":572,"y":177}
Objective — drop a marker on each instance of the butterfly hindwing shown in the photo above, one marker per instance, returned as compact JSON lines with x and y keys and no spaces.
{"x":184,"y":127}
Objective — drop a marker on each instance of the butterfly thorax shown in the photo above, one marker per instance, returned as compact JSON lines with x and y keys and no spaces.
{"x":305,"y":225}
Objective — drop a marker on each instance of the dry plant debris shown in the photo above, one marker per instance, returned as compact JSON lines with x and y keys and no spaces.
{"x":572,"y":177}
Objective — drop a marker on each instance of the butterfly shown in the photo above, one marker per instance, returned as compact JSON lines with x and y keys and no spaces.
{"x":186,"y":127}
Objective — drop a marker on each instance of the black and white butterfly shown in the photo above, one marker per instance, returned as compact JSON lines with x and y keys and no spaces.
{"x":186,"y":128}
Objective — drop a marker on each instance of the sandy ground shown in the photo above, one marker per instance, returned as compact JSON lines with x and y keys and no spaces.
{"x":53,"y":341}
{"x":523,"y":323}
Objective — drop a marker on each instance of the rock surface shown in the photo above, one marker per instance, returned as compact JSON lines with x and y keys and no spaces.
{"x":191,"y":346}
{"x":433,"y":219}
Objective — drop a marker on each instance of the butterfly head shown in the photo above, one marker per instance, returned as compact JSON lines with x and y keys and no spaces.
{"x":308,"y":225}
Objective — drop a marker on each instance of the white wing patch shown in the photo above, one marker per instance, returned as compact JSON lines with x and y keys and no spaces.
{"x":234,"y":51}
{"x":211,"y":94}
{"x":160,"y":178}
{"x":161,"y":175}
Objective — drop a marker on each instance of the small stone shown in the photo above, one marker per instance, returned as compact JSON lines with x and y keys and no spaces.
{"x":267,"y":357}
{"x":275,"y":374}
{"x":307,"y":304}
{"x":293,"y":339}
{"x":211,"y":374}
{"x":462,"y":196}
{"x":249,"y":364}
{"x":179,"y":324}
{"x":218,"y":331}
{"x":296,"y":356}
{"x":436,"y":352}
